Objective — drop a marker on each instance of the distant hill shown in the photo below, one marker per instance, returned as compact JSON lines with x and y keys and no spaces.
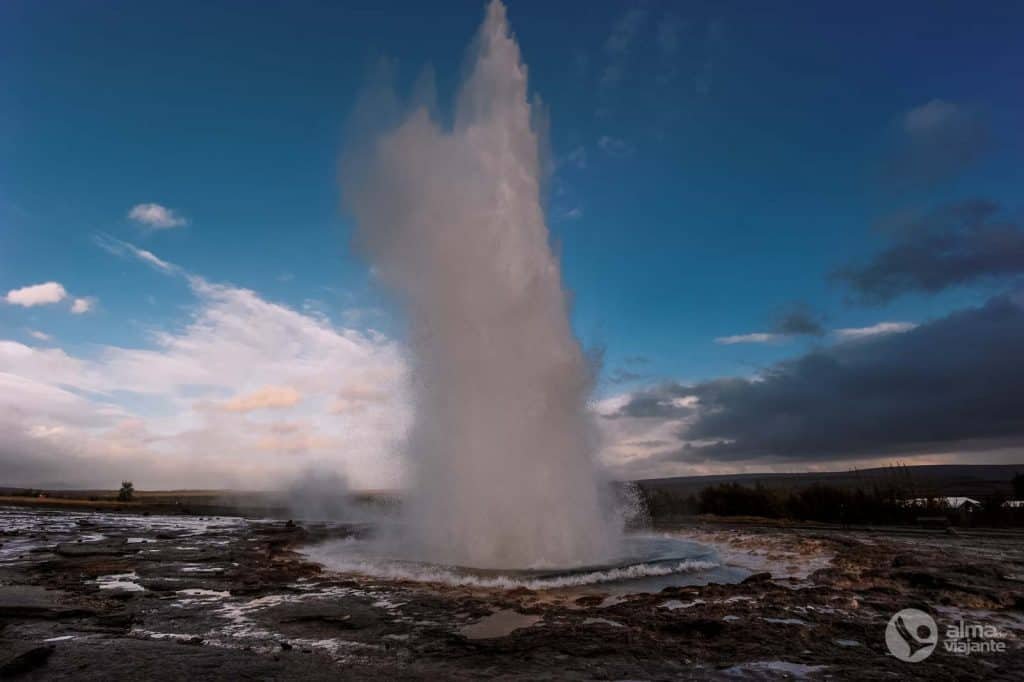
{"x":970,"y":480}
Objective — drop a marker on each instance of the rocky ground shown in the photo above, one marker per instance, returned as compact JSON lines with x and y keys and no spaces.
{"x":104,"y":595}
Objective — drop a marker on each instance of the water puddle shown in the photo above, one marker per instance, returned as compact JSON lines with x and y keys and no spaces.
{"x":124,"y":582}
{"x":498,"y":624}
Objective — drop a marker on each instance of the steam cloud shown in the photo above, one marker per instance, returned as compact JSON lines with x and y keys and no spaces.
{"x":502,"y":445}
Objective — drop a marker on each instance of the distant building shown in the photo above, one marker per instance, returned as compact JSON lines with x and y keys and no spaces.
{"x":957,"y":503}
{"x":1013,"y":504}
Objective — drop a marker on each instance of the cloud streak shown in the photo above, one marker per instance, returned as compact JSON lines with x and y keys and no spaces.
{"x":124,"y":249}
{"x":756,"y":337}
{"x":852,"y":333}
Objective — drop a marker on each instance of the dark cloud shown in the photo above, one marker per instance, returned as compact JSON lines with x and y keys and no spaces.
{"x":799,"y":320}
{"x":662,"y":402}
{"x":939,"y":140}
{"x":959,"y":244}
{"x":953,"y":384}
{"x":37,"y":462}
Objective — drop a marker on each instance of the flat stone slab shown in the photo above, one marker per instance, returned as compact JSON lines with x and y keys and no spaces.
{"x":36,"y":602}
{"x":113,"y":547}
{"x":24,"y":661}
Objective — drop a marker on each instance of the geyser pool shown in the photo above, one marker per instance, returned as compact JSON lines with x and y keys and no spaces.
{"x":502,"y":445}
{"x":645,"y":562}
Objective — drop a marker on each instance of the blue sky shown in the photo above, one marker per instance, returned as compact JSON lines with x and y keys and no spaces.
{"x":714,"y":164}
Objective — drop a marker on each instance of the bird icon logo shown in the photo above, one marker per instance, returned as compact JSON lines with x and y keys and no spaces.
{"x":911,"y":635}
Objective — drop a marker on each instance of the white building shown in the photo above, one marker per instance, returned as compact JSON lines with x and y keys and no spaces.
{"x":957,"y":503}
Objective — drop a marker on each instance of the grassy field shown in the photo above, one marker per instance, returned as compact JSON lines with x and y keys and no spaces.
{"x":971,"y":480}
{"x":154,"y":501}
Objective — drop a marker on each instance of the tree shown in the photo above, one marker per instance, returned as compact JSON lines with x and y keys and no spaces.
{"x":126,"y":492}
{"x":1018,"y":486}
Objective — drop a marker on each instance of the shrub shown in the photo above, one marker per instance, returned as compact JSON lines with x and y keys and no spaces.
{"x":126,"y":492}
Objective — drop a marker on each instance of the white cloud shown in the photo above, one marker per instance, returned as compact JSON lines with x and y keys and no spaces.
{"x":359,"y":395}
{"x":156,"y":216}
{"x":37,"y":294}
{"x":577,"y":157}
{"x":81,"y":306}
{"x":874,"y":330}
{"x":266,"y":398}
{"x":615,"y":147}
{"x":759,"y":337}
{"x":624,"y":33}
{"x":932,"y":116}
{"x":39,"y":336}
{"x":201,"y":403}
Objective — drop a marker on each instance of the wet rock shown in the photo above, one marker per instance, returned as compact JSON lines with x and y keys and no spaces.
{"x":320,"y":619}
{"x":922,"y":578}
{"x":120,"y":619}
{"x":257,"y":617}
{"x":30,"y":601}
{"x":342,"y":622}
{"x":979,"y":570}
{"x":25,"y":661}
{"x":112,"y":547}
{"x":904,"y":560}
{"x":123,"y":595}
{"x":702,"y":627}
{"x":763,"y":577}
{"x":93,"y":567}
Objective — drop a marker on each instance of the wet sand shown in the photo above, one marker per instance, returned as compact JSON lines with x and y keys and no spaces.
{"x":87,"y":595}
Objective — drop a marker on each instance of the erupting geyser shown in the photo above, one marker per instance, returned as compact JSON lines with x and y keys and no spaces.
{"x":502,"y":445}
